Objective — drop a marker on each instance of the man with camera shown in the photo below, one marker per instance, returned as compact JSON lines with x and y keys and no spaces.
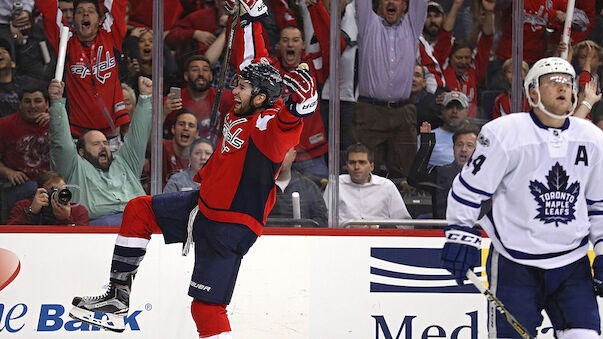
{"x":50,"y":205}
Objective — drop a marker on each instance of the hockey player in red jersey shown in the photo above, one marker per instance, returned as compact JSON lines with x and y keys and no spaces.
{"x":227,"y":214}
{"x":94,"y":93}
{"x":313,"y":143}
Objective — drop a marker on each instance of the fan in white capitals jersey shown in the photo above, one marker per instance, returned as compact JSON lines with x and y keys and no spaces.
{"x":543,"y":170}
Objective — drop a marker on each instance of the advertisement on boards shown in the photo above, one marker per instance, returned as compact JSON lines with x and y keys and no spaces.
{"x":289,"y":286}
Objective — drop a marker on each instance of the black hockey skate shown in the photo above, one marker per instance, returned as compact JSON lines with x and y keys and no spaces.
{"x":107,"y":310}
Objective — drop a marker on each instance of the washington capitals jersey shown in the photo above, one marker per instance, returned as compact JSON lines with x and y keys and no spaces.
{"x":237,"y":182}
{"x":94,"y":93}
{"x":546,"y":186}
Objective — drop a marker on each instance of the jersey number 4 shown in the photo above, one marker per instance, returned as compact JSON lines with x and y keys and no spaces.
{"x":477,"y":163}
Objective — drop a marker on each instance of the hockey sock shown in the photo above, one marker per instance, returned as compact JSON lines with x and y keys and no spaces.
{"x":211,"y":319}
{"x":137,"y":225}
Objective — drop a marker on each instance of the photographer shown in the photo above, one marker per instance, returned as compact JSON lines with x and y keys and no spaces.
{"x":43,"y":209}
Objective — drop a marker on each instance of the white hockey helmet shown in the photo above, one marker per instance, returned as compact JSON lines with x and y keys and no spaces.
{"x":548,"y":66}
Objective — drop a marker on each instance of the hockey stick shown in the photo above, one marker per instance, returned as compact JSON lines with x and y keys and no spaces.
{"x":499,"y":306}
{"x":567,"y":27}
{"x":233,"y":28}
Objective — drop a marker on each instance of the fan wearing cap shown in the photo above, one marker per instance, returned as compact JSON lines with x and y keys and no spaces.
{"x":543,"y":170}
{"x":454,"y":115}
{"x":436,"y":40}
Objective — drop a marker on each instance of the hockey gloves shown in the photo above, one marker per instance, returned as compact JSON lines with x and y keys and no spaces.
{"x":461,"y":251}
{"x":304,"y":98}
{"x":251,"y":10}
{"x":598,"y":275}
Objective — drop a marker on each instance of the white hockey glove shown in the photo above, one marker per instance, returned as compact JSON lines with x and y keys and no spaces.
{"x":303,"y":100}
{"x":251,"y":10}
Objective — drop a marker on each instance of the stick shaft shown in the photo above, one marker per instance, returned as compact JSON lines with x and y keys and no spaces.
{"x":233,"y":28}
{"x":499,"y":305}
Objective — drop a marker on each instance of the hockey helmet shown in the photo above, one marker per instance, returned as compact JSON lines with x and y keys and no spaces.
{"x":549,"y":66}
{"x":264,"y":78}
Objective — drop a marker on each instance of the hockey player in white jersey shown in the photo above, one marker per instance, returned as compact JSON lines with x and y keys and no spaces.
{"x":543,"y":170}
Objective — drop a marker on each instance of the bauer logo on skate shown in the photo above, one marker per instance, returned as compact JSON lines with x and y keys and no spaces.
{"x":412,"y":270}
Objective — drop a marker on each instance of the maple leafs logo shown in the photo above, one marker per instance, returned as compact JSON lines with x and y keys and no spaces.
{"x":557,"y":201}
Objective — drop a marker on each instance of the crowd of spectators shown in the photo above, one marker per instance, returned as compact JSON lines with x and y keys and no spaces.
{"x":418,"y":79}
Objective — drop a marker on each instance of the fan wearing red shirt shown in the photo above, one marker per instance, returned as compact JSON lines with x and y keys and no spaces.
{"x":198,"y":97}
{"x":502,"y":103}
{"x":464,"y":70}
{"x":24,"y":152}
{"x":176,"y":150}
{"x":94,"y":94}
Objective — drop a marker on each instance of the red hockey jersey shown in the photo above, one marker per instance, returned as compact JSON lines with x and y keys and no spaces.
{"x":313,"y":141}
{"x":94,"y":93}
{"x":237,"y":182}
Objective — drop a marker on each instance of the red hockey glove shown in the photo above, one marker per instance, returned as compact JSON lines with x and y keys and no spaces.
{"x":304,"y":98}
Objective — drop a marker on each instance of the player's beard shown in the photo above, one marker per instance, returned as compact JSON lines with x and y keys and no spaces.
{"x":246,"y":109}
{"x":96,"y":163}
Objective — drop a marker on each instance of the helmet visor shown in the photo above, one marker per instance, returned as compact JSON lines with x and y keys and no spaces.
{"x":557,"y":79}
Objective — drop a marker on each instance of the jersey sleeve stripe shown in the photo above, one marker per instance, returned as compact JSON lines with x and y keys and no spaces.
{"x":287,"y":122}
{"x":595,"y":213}
{"x":592,"y":202}
{"x":464,"y":202}
{"x":528,"y":256}
{"x":473,"y":189}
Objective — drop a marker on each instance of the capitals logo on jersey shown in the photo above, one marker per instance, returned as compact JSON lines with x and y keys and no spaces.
{"x":556,"y":202}
{"x":101,"y":65}
{"x":231,"y":134}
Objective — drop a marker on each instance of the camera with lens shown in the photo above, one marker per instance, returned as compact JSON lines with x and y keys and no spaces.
{"x":59,"y":194}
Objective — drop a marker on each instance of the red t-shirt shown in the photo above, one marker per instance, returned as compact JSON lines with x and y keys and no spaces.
{"x":171,"y":162}
{"x":181,"y":33}
{"x":141,"y":13}
{"x":24,"y":146}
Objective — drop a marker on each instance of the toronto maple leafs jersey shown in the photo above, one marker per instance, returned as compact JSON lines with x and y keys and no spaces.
{"x":546,"y":186}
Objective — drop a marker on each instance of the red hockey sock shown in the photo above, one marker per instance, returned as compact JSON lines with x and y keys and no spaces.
{"x":211,"y":319}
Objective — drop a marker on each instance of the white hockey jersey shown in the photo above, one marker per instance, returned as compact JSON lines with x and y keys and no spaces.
{"x":546,"y":186}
